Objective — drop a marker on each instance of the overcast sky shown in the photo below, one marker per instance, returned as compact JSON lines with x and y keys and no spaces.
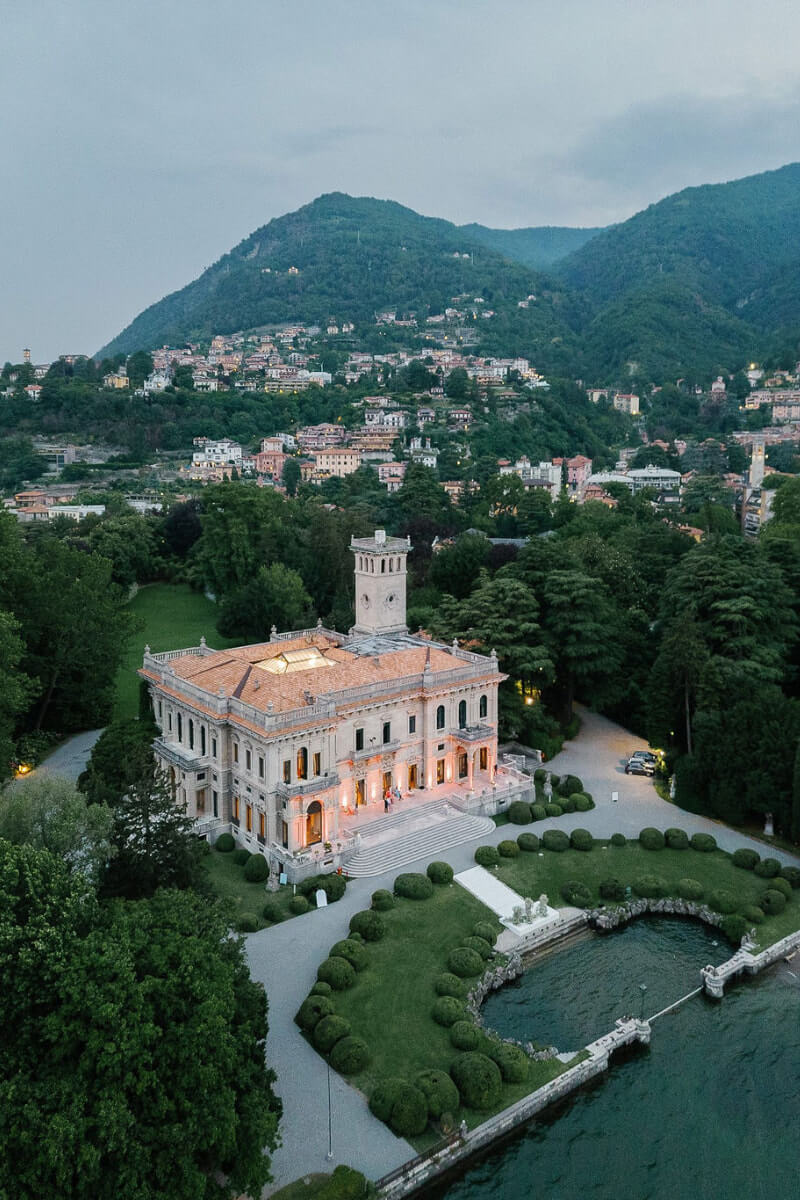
{"x":144,"y":138}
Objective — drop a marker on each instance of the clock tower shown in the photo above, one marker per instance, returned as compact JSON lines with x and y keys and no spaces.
{"x":380,"y":570}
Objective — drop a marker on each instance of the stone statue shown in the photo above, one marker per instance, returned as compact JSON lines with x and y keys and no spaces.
{"x":541,"y":907}
{"x":519,"y":915}
{"x":548,"y":787}
{"x":528,"y":908}
{"x":273,"y":882}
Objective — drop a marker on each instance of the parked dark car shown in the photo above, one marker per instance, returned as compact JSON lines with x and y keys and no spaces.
{"x":639,"y":766}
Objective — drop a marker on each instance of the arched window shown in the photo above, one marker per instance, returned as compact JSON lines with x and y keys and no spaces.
{"x":383,"y":566}
{"x":483,"y":706}
{"x":313,"y":823}
{"x":191,"y":734}
{"x":391,"y":564}
{"x":440,"y":717}
{"x":302,"y":763}
{"x":462,"y":714}
{"x":202,"y":739}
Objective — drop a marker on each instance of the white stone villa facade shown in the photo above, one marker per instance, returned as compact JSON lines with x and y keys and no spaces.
{"x":289,"y":742}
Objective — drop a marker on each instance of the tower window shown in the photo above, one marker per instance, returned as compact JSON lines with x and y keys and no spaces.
{"x":440,"y":717}
{"x":383,"y":566}
{"x":462,"y":714}
{"x":483,"y":706}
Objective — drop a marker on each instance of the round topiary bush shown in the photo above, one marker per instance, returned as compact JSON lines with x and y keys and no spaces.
{"x":568,"y":785}
{"x":247,"y":922}
{"x":439,"y":873}
{"x":328,"y":1031}
{"x":704,"y":842}
{"x":781,"y":885}
{"x":409,"y":1116}
{"x":745,"y":859}
{"x":337,"y":972}
{"x":413,"y":886}
{"x":478,"y":1079}
{"x":576,"y":893}
{"x":618,"y":839}
{"x":584,"y":802}
{"x":791,"y":875}
{"x":312,"y":1010}
{"x":528,"y":842}
{"x":569,"y":804}
{"x":439,"y":1091}
{"x":485,"y":930}
{"x":273,"y":911}
{"x":650,"y":887}
{"x":507,"y":849}
{"x":480,"y":946}
{"x":464,"y":962}
{"x":256,"y":869}
{"x":450,"y":985}
{"x":652,"y":839}
{"x":383,"y":1096}
{"x":225,"y":843}
{"x":519,"y":813}
{"x":354,"y":952}
{"x":612,"y":889}
{"x":555,"y":839}
{"x":554,"y":779}
{"x":333,"y":885}
{"x":768,"y":868}
{"x":369,"y":924}
{"x":299,"y":905}
{"x":321,"y":988}
{"x":539,"y":775}
{"x":464,"y":1035}
{"x":349,"y":1055}
{"x":677,"y":839}
{"x":538,"y":812}
{"x":487,"y":856}
{"x":241,"y":857}
{"x":734,"y":927}
{"x":553,"y":810}
{"x":753,"y":914}
{"x":512,"y":1061}
{"x":690,"y":889}
{"x":772,"y":902}
{"x":447,"y":1010}
{"x":581,"y":839}
{"x":722,"y":901}
{"x":382,"y":900}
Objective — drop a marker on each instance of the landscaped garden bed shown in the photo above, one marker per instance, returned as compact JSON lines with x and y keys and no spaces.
{"x":239,"y":877}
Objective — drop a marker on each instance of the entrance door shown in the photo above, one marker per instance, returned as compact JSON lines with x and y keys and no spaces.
{"x":412,"y":777}
{"x":463,"y":769}
{"x":314,"y":823}
{"x":440,"y":770}
{"x":361,"y":793}
{"x":388,"y":782}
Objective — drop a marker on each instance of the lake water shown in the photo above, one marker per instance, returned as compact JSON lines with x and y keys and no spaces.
{"x":711,"y":1110}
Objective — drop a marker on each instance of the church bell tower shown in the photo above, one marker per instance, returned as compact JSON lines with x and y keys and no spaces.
{"x":380,"y":570}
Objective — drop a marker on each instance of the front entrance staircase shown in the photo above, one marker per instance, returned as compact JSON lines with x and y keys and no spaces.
{"x":391,"y":840}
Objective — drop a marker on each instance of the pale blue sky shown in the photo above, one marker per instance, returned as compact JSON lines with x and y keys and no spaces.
{"x":144,"y":138}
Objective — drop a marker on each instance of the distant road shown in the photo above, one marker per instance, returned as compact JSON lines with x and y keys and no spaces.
{"x":70,"y":758}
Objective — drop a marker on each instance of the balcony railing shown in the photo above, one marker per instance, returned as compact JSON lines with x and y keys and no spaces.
{"x":306,"y":787}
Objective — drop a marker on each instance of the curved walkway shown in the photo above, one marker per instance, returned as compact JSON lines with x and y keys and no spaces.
{"x":285,"y":958}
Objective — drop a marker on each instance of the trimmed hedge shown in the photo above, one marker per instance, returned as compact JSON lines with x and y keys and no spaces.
{"x":690,"y":889}
{"x":413,"y":886}
{"x":519,"y":813}
{"x":328,"y":1031}
{"x":538,"y":812}
{"x":479,"y":945}
{"x":612,"y":889}
{"x":354,"y":952}
{"x":576,"y":893}
{"x":464,"y":1035}
{"x":704,"y":842}
{"x":553,"y":810}
{"x":569,"y":805}
{"x":409,"y":1116}
{"x":273,"y":911}
{"x":478,"y":1079}
{"x":485,"y":930}
{"x":256,"y":869}
{"x":734,"y":927}
{"x":349,"y":1055}
{"x":568,"y":785}
{"x":225,"y":843}
{"x":464,"y":962}
{"x":369,"y":924}
{"x":651,"y":887}
{"x":507,"y":849}
{"x":337,"y":972}
{"x":746,"y":859}
{"x":312,"y":1010}
{"x":241,"y":857}
{"x":781,"y":885}
{"x":382,"y":900}
{"x":791,"y":875}
{"x":528,"y":842}
{"x":447,"y":1010}
{"x":722,"y":901}
{"x":753,"y":913}
{"x":334,"y":886}
{"x":439,"y":873}
{"x":555,"y":839}
{"x":677,"y":839}
{"x":768,"y":868}
{"x":581,"y":839}
{"x":618,"y":839}
{"x":321,"y":988}
{"x":584,"y":802}
{"x":247,"y":922}
{"x":512,"y":1061}
{"x":299,"y":905}
{"x":487,"y":856}
{"x":539,"y":775}
{"x":439,"y":1090}
{"x":383,"y":1096}
{"x":773,"y":902}
{"x":652,"y":839}
{"x":450,"y":985}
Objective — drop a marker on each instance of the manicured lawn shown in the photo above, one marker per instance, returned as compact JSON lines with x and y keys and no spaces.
{"x":173,"y":616}
{"x":229,"y":883}
{"x":302,"y":1189}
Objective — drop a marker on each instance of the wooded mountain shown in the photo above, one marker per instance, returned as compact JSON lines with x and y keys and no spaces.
{"x":698,"y":283}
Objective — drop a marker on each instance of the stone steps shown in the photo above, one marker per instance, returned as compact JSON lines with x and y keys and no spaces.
{"x":450,"y":830}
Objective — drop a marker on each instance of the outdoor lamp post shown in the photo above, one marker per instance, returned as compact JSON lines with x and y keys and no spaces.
{"x":642,"y":990}
{"x":330,"y":1129}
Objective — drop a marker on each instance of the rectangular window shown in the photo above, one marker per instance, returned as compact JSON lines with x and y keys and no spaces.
{"x":287,"y":771}
{"x":160,"y":710}
{"x":359,"y":739}
{"x":440,"y":770}
{"x":412,"y":724}
{"x":261,"y":832}
{"x":169,"y":721}
{"x":249,"y":817}
{"x":284,"y":835}
{"x":387,"y":732}
{"x":215,"y":799}
{"x":235,"y":751}
{"x":248,"y":760}
{"x":484,"y":758}
{"x":213,"y":747}
{"x":260,"y":767}
{"x":236,"y":808}
{"x":317,"y":763}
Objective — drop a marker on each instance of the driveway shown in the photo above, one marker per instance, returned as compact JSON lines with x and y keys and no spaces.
{"x":70,"y":758}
